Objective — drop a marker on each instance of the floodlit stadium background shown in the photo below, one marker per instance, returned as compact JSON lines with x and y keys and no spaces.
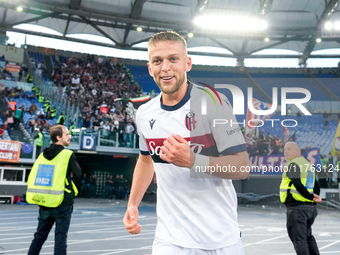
{"x":259,"y":44}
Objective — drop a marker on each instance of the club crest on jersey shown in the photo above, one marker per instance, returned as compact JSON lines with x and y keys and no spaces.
{"x":190,"y":121}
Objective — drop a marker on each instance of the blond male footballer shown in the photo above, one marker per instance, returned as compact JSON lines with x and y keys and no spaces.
{"x":196,"y":206}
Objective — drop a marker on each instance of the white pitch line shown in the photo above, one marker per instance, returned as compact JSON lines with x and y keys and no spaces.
{"x":127,"y":250}
{"x":323,"y":253}
{"x":14,"y":228}
{"x":17,"y":237}
{"x":75,"y":242}
{"x":329,"y":245}
{"x":266,"y":240}
{"x":76,"y":217}
{"x":331,"y":252}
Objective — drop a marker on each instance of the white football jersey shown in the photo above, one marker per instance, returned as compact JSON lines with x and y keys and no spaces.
{"x":193,"y":210}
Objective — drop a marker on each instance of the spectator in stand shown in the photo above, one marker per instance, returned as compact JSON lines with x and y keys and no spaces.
{"x":99,"y":82}
{"x":5,"y":127}
{"x":128,"y":135}
{"x":53,"y":112}
{"x":276,"y":147}
{"x":48,"y":110}
{"x":39,"y":142}
{"x":9,"y":120}
{"x":32,"y":97}
{"x":41,"y":114}
{"x":72,"y":128}
{"x":112,"y":108}
{"x":41,"y":98}
{"x":61,"y":120}
{"x":106,"y":128}
{"x":86,"y":121}
{"x":22,"y":72}
{"x":18,"y":116}
{"x":2,"y":134}
{"x":12,"y":104}
{"x":75,"y":80}
{"x":33,"y":108}
{"x":117,"y":132}
{"x":252,"y":149}
{"x":29,"y":78}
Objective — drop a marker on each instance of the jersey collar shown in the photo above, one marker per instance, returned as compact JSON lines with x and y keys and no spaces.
{"x":181,"y":103}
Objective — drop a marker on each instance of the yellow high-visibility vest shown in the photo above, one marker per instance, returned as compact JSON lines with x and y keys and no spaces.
{"x":39,"y":140}
{"x":307,"y":177}
{"x":61,"y":119}
{"x":53,"y":112}
{"x":47,"y":179}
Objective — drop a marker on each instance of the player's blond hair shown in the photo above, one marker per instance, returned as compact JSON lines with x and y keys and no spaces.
{"x":167,"y":36}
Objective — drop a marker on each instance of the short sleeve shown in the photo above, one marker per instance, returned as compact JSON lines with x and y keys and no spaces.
{"x":142,"y":142}
{"x":226,"y":130}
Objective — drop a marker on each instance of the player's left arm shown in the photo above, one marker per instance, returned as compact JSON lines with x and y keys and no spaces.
{"x":176,"y":150}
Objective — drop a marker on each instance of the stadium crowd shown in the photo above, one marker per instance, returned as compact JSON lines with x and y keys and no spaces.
{"x":100,"y":88}
{"x":97,"y":85}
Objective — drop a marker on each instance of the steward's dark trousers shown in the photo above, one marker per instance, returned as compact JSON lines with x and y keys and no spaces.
{"x":47,"y":216}
{"x":300,"y":219}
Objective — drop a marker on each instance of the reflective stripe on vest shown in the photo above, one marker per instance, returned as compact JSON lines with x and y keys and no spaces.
{"x":45,"y":191}
{"x":46,"y":182}
{"x":307,"y":178}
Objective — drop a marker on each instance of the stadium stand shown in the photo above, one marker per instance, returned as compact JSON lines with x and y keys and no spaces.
{"x":142,"y":76}
{"x":320,"y":135}
{"x":269,"y":80}
{"x":105,"y":86}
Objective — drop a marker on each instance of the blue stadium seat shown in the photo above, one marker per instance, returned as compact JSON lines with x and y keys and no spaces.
{"x":269,"y":80}
{"x":142,"y":76}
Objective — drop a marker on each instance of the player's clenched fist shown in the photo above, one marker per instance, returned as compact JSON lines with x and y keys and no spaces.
{"x":131,"y":221}
{"x":176,"y":150}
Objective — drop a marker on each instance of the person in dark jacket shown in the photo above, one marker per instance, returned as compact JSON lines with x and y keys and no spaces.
{"x":60,"y":214}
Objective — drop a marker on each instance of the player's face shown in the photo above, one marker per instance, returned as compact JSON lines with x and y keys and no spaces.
{"x":66,"y":138}
{"x":168,"y":64}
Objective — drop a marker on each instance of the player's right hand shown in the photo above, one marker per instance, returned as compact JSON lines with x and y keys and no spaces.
{"x":131,"y":221}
